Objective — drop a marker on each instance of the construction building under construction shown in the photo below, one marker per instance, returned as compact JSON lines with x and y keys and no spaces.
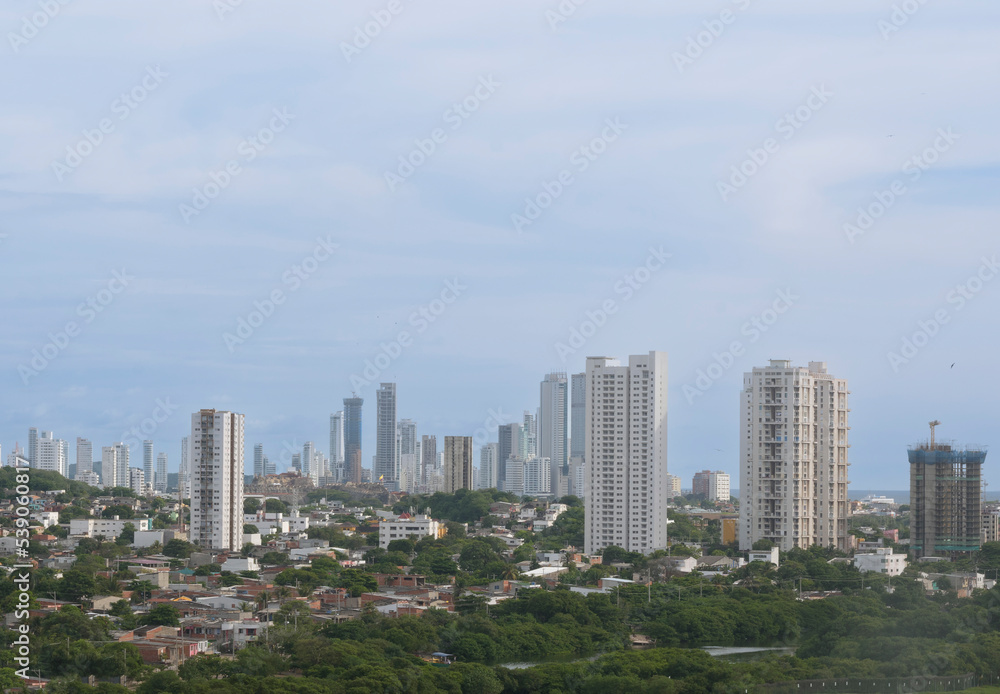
{"x":945,"y":498}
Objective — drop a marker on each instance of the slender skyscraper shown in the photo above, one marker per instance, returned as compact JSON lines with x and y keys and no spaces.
{"x":793,"y":457}
{"x":428,"y":458}
{"x":508,"y":446}
{"x":337,"y":445}
{"x":217,"y":479}
{"x":84,"y":458}
{"x":457,"y":463}
{"x":529,"y":436}
{"x":488,"y":468}
{"x":32,"y":445}
{"x":553,"y":429}
{"x":258,"y":460}
{"x":52,"y":454}
{"x":161,"y":473}
{"x":352,"y":439}
{"x":148,"y":470}
{"x":386,"y":466}
{"x":184,"y":471}
{"x":309,"y":462}
{"x":626,"y":453}
{"x":578,"y":413}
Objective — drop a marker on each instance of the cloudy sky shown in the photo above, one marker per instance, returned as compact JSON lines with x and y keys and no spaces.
{"x":465,"y":186}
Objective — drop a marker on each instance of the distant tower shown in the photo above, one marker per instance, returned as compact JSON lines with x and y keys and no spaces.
{"x":148,"y":471}
{"x":428,"y":458}
{"x":32,"y":445}
{"x":161,"y":473}
{"x":386,"y":465}
{"x":337,"y":445}
{"x":184,"y":470}
{"x":84,"y":458}
{"x":945,"y":498}
{"x":488,"y":469}
{"x":217,"y":479}
{"x":352,"y":438}
{"x":457,"y":463}
{"x":553,"y":428}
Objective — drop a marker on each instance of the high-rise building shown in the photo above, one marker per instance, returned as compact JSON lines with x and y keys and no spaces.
{"x":386,"y":464}
{"x":514,"y":484}
{"x":577,"y":415}
{"x":408,"y":473}
{"x":626,"y":453}
{"x":297,"y":463}
{"x":309,"y":468}
{"x":114,"y":465}
{"x":32,"y":445}
{"x":699,"y":483}
{"x":258,"y":460}
{"x":161,"y":473}
{"x":269,"y":467}
{"x":147,"y":462}
{"x":488,"y":466}
{"x":793,"y":457}
{"x":337,"y":445}
{"x":946,"y":505}
{"x":537,"y":476}
{"x":217,"y":479}
{"x":137,"y":480}
{"x":673,"y":486}
{"x":52,"y":454}
{"x":428,"y":458}
{"x":553,"y":428}
{"x":508,"y":446}
{"x":457,"y":463}
{"x":407,"y":436}
{"x":352,"y":438}
{"x":184,"y":470}
{"x":528,"y":447}
{"x":84,"y":458}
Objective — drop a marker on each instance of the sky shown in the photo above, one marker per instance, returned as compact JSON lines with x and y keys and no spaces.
{"x":241,"y":205}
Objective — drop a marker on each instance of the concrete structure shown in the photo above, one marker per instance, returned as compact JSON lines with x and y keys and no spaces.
{"x":258,"y":460}
{"x":537,"y":477}
{"x":148,"y":469}
{"x":217,"y":479}
{"x":428,"y":458}
{"x":337,"y":445}
{"x":52,"y":454}
{"x":793,"y":457}
{"x":769,"y":556}
{"x":405,"y":527}
{"x":714,"y":486}
{"x":673,"y":486}
{"x":528,"y":447}
{"x":84,"y":458}
{"x":626,"y":453}
{"x":882,"y":560}
{"x":386,"y":466}
{"x":161,"y":473}
{"x":729,"y":530}
{"x":553,"y":427}
{"x":137,"y":480}
{"x":515,"y":476}
{"x":945,"y":499}
{"x":457,"y":463}
{"x":352,"y":439}
{"x":508,"y":446}
{"x":184,"y":471}
{"x":991,"y":525}
{"x":114,"y":465}
{"x":109,"y":528}
{"x":32,"y":445}
{"x":489,"y":466}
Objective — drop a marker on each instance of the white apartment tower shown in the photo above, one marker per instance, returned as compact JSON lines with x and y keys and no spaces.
{"x":184,"y":470}
{"x":258,"y":460}
{"x":147,"y":462}
{"x":137,"y":480}
{"x":337,"y":445}
{"x":114,"y":466}
{"x":308,"y":462}
{"x":793,"y":457}
{"x":84,"y":458}
{"x":626,"y":453}
{"x":217,"y":479}
{"x":161,"y":473}
{"x":553,"y":427}
{"x":52,"y":454}
{"x":386,"y":463}
{"x":488,"y":466}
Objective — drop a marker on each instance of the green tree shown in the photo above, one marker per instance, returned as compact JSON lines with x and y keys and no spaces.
{"x":163,"y":615}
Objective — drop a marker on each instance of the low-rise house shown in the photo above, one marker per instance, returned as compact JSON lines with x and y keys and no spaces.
{"x":882,"y":560}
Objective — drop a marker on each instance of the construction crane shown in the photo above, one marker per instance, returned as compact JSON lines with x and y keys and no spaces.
{"x":932,"y":425}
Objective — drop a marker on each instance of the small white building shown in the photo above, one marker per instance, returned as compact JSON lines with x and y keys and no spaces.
{"x":882,"y":560}
{"x":404,"y":527}
{"x":109,"y":528}
{"x":147,"y":538}
{"x":765,"y":555}
{"x":46,"y":518}
{"x":236,"y":564}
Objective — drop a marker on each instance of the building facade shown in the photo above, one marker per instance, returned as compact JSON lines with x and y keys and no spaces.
{"x":217,"y":479}
{"x":626,"y":453}
{"x":457,"y":463}
{"x":553,"y":427}
{"x":352,"y":439}
{"x":488,"y":466}
{"x":946,"y":505}
{"x":794,"y":457}
{"x":386,"y":464}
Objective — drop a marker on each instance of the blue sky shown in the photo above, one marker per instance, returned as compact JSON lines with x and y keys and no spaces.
{"x":825,"y":105}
